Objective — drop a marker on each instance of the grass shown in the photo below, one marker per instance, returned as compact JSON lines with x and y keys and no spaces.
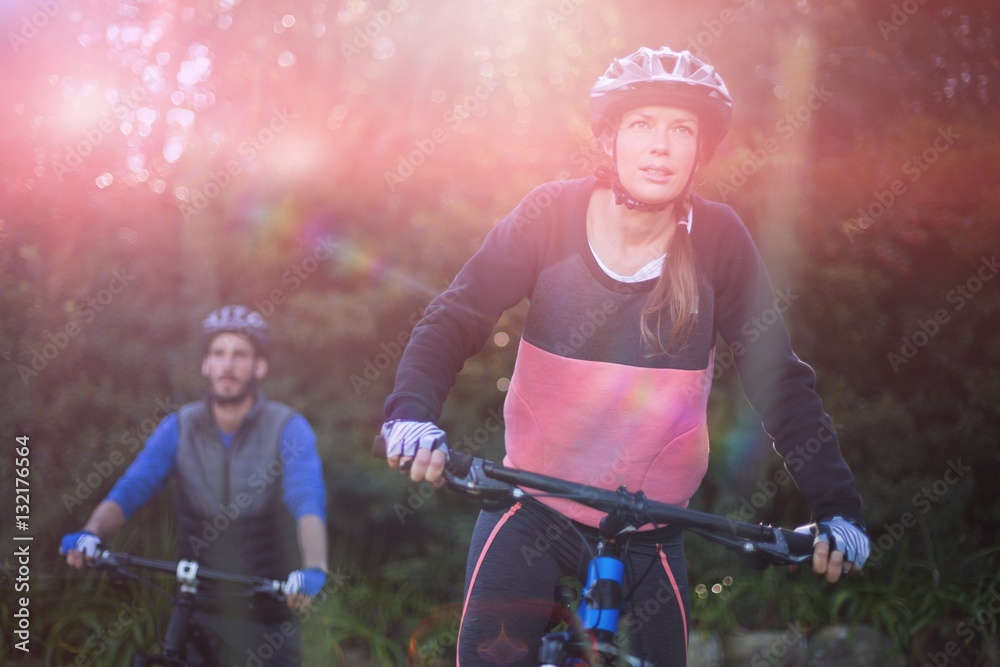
{"x":919,"y":604}
{"x":379,"y":609}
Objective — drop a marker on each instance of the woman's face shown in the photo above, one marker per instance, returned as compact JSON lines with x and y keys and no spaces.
{"x":657,"y":149}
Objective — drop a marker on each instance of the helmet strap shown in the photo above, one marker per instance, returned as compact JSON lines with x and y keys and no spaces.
{"x":623,"y":197}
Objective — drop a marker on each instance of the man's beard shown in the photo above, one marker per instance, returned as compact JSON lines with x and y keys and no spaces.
{"x":248,"y":389}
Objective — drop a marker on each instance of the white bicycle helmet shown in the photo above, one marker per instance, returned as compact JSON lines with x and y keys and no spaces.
{"x":664,"y":77}
{"x":239,"y":320}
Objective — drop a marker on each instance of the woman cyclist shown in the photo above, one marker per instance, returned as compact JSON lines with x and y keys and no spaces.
{"x":630,"y":278}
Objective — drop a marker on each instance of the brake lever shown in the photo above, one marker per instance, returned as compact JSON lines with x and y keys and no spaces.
{"x":758,"y":554}
{"x":117,"y":570}
{"x":778,"y":553}
{"x":466,"y":475}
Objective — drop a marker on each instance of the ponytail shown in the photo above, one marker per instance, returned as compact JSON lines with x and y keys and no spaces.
{"x":675,"y":294}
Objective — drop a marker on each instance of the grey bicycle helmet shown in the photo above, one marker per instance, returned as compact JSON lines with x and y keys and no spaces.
{"x":240,"y":320}
{"x":664,"y":77}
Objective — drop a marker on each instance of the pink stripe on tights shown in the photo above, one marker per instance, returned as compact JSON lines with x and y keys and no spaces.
{"x":677,"y":595}
{"x":475,"y":573}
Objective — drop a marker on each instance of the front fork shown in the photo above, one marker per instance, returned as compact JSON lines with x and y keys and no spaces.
{"x":598,"y":614}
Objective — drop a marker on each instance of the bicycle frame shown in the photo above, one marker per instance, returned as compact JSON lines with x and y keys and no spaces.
{"x":598,"y":613}
{"x":189,"y":574}
{"x":760,"y":545}
{"x":493,"y":485}
{"x":176,"y":638}
{"x":601,"y":603}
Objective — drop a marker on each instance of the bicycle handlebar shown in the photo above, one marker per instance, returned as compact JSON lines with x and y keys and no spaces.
{"x":188,"y":573}
{"x":490,"y":482}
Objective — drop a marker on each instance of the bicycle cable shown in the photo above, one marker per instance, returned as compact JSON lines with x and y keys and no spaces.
{"x":628,"y":599}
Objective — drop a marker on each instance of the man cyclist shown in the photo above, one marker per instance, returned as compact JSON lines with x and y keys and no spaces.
{"x":248,"y":487}
{"x":666,"y":272}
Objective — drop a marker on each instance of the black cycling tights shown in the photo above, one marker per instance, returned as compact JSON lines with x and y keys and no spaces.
{"x":517,"y":558}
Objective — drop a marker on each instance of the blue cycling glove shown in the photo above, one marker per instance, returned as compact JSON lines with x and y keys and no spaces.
{"x":844,"y":536}
{"x":403,"y":437}
{"x":304,"y":582}
{"x":84,"y":541}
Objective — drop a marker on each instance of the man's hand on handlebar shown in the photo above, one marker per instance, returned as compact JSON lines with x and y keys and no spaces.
{"x":78,"y":547}
{"x":302,"y":586}
{"x":419,"y":448}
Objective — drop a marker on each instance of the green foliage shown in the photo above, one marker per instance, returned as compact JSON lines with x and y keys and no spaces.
{"x":101,"y":288}
{"x":918,"y":606}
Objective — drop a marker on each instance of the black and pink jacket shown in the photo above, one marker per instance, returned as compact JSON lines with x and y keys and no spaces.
{"x":588,"y":401}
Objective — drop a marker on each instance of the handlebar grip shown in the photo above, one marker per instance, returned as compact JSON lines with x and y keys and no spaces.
{"x":798,"y":543}
{"x":459,"y":463}
{"x":378,"y":447}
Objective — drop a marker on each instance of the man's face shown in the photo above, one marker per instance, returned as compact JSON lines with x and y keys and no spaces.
{"x":232,"y":368}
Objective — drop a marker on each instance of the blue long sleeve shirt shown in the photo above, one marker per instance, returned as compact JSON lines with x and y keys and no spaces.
{"x":303,"y":489}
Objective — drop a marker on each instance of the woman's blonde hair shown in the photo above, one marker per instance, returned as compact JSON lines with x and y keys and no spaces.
{"x":675,"y":293}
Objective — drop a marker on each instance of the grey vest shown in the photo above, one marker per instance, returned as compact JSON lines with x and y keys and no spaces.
{"x":231,"y":513}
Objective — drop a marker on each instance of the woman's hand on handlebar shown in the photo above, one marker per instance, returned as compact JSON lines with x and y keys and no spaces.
{"x":829,"y":565}
{"x":415,"y":447}
{"x":426,"y":464}
{"x":841,"y":547}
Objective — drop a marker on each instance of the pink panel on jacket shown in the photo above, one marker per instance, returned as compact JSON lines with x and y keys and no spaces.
{"x":607,"y":425}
